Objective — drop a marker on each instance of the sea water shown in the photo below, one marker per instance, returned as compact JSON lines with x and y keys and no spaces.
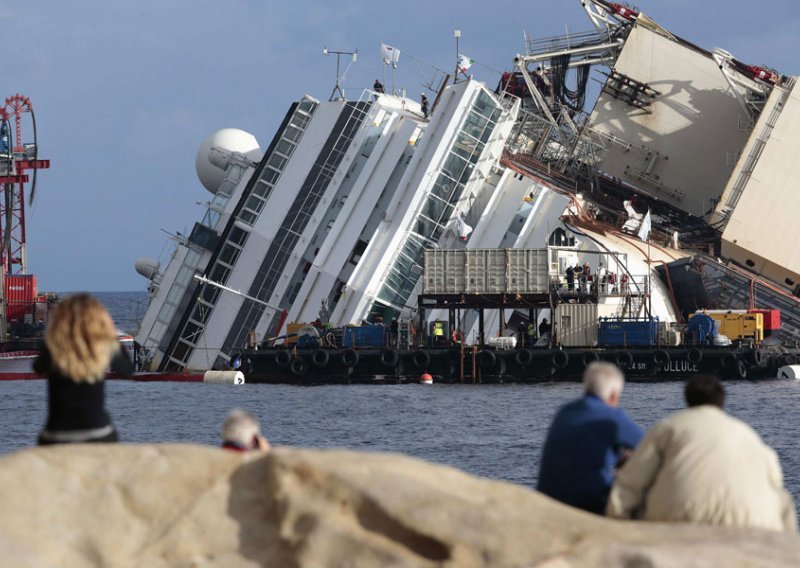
{"x":495,"y":431}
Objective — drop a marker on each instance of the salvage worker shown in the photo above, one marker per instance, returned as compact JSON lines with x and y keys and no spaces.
{"x":424,"y":104}
{"x":602,"y":275}
{"x":438,"y":332}
{"x":570,"y":278}
{"x":378,"y":87}
{"x":544,"y":327}
{"x":531,"y":333}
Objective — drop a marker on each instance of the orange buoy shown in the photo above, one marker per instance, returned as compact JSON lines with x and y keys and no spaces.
{"x":426,"y":379}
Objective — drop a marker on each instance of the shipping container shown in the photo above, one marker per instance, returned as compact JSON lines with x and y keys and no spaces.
{"x":444,"y":272}
{"x":576,"y":325}
{"x":527,"y":271}
{"x":20,"y":297}
{"x":486,"y":271}
{"x":626,"y":333}
{"x":364,"y":336}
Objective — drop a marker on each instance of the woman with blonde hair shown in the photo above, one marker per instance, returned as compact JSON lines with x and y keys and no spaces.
{"x":80,"y":343}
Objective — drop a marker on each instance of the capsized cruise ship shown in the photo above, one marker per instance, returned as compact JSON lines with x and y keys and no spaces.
{"x":332,"y":219}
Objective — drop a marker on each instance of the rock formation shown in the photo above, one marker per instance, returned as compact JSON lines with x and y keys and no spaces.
{"x":181,"y":505}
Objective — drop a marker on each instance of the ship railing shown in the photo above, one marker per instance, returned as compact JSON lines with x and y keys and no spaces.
{"x":567,"y":42}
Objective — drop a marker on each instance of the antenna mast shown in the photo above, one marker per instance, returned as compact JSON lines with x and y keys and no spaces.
{"x":340,"y":77}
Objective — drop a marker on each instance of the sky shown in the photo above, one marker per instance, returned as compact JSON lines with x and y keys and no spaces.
{"x":125,"y":92}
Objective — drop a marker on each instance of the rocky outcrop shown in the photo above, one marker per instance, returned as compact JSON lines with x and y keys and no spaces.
{"x":180,"y":505}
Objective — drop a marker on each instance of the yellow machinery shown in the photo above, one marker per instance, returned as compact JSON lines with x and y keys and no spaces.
{"x":738,"y":324}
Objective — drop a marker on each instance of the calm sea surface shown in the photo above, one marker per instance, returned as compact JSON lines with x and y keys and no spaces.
{"x":495,"y":431}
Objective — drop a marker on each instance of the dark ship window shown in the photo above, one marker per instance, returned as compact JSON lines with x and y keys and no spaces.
{"x":750,"y":263}
{"x":559,"y":238}
{"x":789,"y":282}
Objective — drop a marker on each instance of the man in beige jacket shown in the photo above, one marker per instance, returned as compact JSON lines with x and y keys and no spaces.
{"x":703,"y":466}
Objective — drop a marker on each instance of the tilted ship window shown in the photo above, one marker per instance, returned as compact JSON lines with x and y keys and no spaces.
{"x":436,"y":210}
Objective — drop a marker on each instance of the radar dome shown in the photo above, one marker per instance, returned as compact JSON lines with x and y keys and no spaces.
{"x":211,"y":157}
{"x":147,"y":267}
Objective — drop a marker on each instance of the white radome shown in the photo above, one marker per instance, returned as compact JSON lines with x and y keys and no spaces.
{"x":147,"y":267}
{"x":210,"y":169}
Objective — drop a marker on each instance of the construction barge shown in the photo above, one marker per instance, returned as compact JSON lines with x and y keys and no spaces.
{"x":600,"y":315}
{"x":454,"y":365}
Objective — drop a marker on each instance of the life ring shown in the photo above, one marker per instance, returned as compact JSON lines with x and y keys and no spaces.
{"x":320,"y":358}
{"x":729,"y":361}
{"x":560,"y":359}
{"x":590,"y":357}
{"x":350,"y":358}
{"x":283,"y":358}
{"x":755,"y":356}
{"x":389,"y":357}
{"x":298,"y":366}
{"x":624,"y":359}
{"x":486,"y":359}
{"x":523,"y":357}
{"x":421,"y":358}
{"x":661,"y":358}
{"x":694,"y":355}
{"x":741,"y":370}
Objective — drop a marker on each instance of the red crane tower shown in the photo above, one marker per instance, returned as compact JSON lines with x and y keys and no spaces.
{"x":18,"y":295}
{"x":16,"y":160}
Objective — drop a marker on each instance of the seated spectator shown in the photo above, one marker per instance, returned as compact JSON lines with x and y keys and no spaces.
{"x":241,"y":432}
{"x":80,"y":343}
{"x":587,"y":441}
{"x":706,"y":467}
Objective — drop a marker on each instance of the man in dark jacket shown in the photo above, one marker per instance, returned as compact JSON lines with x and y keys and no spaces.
{"x":587,"y":441}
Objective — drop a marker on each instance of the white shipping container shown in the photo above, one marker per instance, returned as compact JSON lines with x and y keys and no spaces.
{"x":486,"y":271}
{"x":496,"y":269}
{"x":577,"y":325}
{"x":444,"y":271}
{"x":527,"y":271}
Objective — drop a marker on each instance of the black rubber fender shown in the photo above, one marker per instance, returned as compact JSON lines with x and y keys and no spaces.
{"x":624,"y":359}
{"x":694,"y":355}
{"x":350,"y":358}
{"x":560,"y":359}
{"x":729,"y":361}
{"x":741,"y":370}
{"x":421,"y":358}
{"x":389,"y":357}
{"x":755,"y":356}
{"x":523,"y":357}
{"x":590,"y":357}
{"x":486,"y":359}
{"x":298,"y":366}
{"x":283,"y":358}
{"x":321,"y":358}
{"x":661,"y":358}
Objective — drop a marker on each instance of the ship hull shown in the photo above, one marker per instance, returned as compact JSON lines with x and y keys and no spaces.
{"x":452,"y":365}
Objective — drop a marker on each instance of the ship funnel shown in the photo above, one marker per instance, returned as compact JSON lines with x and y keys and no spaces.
{"x":212,"y":157}
{"x":147,"y":267}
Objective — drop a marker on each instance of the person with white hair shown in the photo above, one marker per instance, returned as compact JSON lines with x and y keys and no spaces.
{"x":241,"y":432}
{"x":588,"y":439}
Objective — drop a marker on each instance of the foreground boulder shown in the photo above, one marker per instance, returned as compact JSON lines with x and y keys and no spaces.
{"x":181,"y":505}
